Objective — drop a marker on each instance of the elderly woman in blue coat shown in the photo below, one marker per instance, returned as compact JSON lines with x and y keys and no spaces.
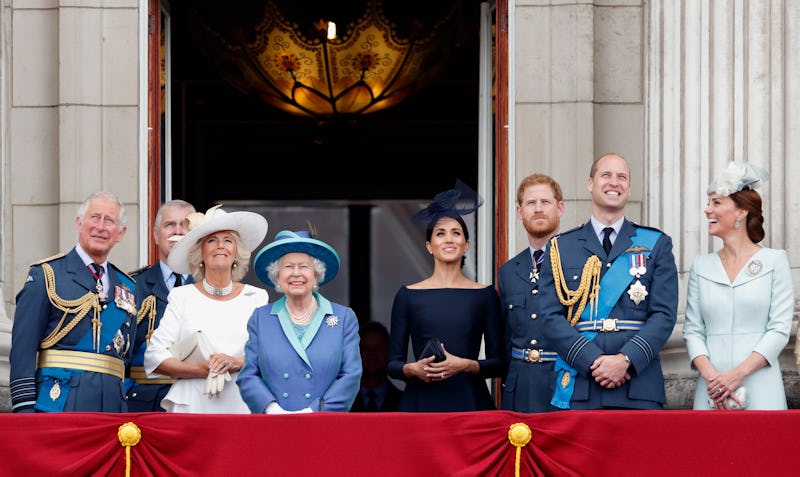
{"x":302,"y":354}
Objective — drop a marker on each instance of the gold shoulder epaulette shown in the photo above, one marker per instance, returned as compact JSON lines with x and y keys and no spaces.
{"x":49,"y":259}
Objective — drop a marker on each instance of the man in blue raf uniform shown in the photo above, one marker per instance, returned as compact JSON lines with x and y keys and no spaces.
{"x":609,"y":294}
{"x":153,"y":284}
{"x":528,"y":387}
{"x":75,"y":321}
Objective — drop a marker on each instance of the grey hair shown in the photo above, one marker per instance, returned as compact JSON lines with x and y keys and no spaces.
{"x":274,"y":267}
{"x":123,"y":218}
{"x":240,"y":263}
{"x":175,"y":203}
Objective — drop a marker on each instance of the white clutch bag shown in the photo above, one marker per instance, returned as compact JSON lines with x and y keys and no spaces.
{"x":193,"y":349}
{"x":741,"y":393}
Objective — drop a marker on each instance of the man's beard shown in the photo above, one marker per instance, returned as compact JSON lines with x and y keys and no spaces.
{"x":541,"y":229}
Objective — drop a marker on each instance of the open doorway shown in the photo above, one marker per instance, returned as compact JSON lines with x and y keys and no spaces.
{"x":228,"y":147}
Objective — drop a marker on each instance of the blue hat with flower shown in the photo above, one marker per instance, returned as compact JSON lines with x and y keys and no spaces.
{"x":301,"y":241}
{"x":461,"y":200}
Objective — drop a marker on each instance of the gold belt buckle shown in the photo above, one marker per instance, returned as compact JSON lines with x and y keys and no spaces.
{"x":534,"y":355}
{"x":610,"y":324}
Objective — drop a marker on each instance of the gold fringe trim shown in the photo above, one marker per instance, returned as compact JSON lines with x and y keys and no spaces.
{"x":148,"y":308}
{"x":80,"y":307}
{"x":588,"y":289}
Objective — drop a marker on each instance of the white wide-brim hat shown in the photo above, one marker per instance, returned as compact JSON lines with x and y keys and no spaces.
{"x":251,"y":227}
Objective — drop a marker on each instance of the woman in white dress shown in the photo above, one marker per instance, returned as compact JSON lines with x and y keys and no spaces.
{"x":216,"y":250}
{"x":739,"y":302}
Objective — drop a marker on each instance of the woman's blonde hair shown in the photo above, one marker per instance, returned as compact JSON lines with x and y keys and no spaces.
{"x":240,"y":263}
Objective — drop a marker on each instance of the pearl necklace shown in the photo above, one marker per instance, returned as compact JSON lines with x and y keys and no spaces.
{"x":214,"y":291}
{"x":306,"y":318}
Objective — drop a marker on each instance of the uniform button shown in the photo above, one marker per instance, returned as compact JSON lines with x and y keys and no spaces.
{"x":105,"y":306}
{"x":533,"y":342}
{"x":134,"y":394}
{"x":510,"y":306}
{"x":108,"y":347}
{"x":608,"y":264}
{"x":285,"y":395}
{"x":285,"y":375}
{"x":575,"y":277}
{"x":308,"y":376}
{"x":535,"y":291}
{"x":534,"y":316}
{"x":307,"y":395}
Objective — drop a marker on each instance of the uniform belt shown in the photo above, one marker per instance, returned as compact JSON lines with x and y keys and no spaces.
{"x":140,"y":377}
{"x":96,"y":363}
{"x":533,"y":355}
{"x":609,"y":324}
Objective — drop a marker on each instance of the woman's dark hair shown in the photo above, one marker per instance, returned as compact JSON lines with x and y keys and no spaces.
{"x":750,"y":200}
{"x":457,"y":218}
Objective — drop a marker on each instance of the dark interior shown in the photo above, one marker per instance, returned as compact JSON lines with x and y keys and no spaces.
{"x":230,"y":146}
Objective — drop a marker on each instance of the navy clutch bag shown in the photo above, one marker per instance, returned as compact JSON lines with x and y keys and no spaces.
{"x":433,"y":348}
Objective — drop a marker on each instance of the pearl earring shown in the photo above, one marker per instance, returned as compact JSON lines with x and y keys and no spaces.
{"x":737,"y":224}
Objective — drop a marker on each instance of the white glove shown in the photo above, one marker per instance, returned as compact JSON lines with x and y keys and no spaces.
{"x":215,"y":383}
{"x":275,"y":408}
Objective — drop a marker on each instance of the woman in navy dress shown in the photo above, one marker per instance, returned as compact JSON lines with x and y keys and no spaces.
{"x":449,"y":307}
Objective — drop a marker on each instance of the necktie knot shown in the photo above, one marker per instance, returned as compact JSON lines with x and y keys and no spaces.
{"x":178,"y":280}
{"x":607,"y":239}
{"x":97,"y":270}
{"x":537,"y":258}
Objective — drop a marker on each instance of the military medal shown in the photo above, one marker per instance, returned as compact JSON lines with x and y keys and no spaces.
{"x":124,"y":299}
{"x":534,"y":276}
{"x":753,"y":268}
{"x":638,"y":265}
{"x":55,"y":391}
{"x":637,"y":292}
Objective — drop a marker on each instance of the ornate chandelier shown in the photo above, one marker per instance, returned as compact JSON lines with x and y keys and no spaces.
{"x":371,"y":64}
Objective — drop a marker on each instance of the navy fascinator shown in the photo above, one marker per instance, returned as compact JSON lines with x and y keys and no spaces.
{"x":451,"y":203}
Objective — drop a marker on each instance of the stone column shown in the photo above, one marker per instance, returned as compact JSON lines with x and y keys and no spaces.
{"x":723,"y":81}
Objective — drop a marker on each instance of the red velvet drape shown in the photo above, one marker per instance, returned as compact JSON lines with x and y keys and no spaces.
{"x":585,"y":443}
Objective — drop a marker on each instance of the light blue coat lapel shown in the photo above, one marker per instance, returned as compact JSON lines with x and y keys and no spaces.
{"x":324,"y":308}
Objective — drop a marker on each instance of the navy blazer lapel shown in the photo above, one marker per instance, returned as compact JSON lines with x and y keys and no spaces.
{"x":590,"y":240}
{"x":624,"y":239}
{"x":523,"y":264}
{"x":157,"y":285}
{"x":80,"y":274}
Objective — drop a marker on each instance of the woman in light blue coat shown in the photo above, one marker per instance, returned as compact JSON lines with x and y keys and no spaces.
{"x":302,"y":354}
{"x":739,"y":302}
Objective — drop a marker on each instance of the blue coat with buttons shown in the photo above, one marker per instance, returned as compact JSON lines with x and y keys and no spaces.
{"x":528,"y":386}
{"x":36,"y":317}
{"x":645,"y":389}
{"x":321,"y":372}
